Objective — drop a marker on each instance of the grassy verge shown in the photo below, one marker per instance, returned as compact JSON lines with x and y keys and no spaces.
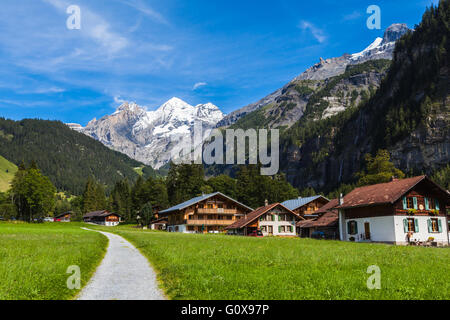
{"x":226,"y":267}
{"x":34,"y":259}
{"x":7,"y":172}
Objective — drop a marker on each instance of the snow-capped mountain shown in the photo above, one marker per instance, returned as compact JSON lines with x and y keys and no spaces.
{"x":381,"y":48}
{"x":151,"y":136}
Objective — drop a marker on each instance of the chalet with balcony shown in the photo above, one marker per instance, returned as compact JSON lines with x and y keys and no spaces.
{"x":306,"y":207}
{"x":403,"y":211}
{"x":103,"y":217}
{"x":210,"y":213}
{"x":270,"y":220}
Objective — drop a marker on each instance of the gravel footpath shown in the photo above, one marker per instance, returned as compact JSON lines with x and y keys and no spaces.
{"x":124,"y":274}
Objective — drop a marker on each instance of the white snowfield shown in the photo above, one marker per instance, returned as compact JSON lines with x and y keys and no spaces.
{"x":124,"y":274}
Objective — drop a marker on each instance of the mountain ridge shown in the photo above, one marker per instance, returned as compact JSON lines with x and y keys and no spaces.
{"x":152,"y":136}
{"x":381,"y":48}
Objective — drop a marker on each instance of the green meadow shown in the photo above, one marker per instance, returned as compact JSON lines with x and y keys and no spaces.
{"x":7,"y":171}
{"x":227,"y":267}
{"x":34,"y":259}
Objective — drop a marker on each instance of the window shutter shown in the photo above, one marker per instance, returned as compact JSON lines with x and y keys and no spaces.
{"x":348,"y":227}
{"x":440,"y":225}
{"x":405,"y":205}
{"x":427,"y":205}
{"x":356,"y":227}
{"x":430,"y":227}
{"x":405,"y":225}
{"x":416,"y":225}
{"x":273,"y":218}
{"x":437,"y":204}
{"x":279,"y":229}
{"x":415,"y":203}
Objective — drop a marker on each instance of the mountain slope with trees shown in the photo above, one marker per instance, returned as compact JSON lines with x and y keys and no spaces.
{"x":67,"y":157}
{"x":409,"y":116}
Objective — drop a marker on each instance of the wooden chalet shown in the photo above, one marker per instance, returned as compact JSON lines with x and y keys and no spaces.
{"x":103,"y":217}
{"x":270,"y":220}
{"x":403,"y":211}
{"x":63,"y":217}
{"x":326,"y":226}
{"x":306,"y":207}
{"x":209,"y":213}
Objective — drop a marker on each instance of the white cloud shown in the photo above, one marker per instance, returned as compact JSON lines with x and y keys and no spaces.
{"x":198,"y":85}
{"x":95,"y":27}
{"x":352,"y":16}
{"x":146,"y":10}
{"x":317,"y":33}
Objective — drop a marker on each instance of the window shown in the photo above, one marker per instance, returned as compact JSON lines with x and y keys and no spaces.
{"x":263,"y":228}
{"x":282,"y":229}
{"x":410,"y":202}
{"x":411,"y":225}
{"x":434,"y":226}
{"x":352,"y":227}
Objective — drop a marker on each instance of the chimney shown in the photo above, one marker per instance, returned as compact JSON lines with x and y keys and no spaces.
{"x":341,"y":199}
{"x":266,"y":203}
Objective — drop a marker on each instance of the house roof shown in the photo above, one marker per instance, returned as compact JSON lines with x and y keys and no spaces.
{"x":254,"y":215}
{"x":196,"y":200}
{"x":63,"y":214}
{"x":329,"y":219}
{"x":103,"y":213}
{"x":300,"y":202}
{"x":384,"y":193}
{"x":328,"y":207}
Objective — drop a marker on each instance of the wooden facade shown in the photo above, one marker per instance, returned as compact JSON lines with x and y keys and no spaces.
{"x":411,"y":210}
{"x":210,"y":214}
{"x":105,"y":218}
{"x":64,"y":217}
{"x":270,"y":220}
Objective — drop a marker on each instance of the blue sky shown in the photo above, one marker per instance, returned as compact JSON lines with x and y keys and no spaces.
{"x":227,"y":52}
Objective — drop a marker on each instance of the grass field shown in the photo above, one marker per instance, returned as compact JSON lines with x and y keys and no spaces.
{"x":34,"y":259}
{"x":226,"y":267}
{"x":7,"y":171}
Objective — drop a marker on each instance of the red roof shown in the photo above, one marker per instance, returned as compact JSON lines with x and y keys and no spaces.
{"x":328,"y":207}
{"x":383,"y":193}
{"x":329,"y":219}
{"x":252,"y":216}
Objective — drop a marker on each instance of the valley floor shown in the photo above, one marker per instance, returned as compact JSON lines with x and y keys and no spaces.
{"x":229,"y":268}
{"x":34,"y":259}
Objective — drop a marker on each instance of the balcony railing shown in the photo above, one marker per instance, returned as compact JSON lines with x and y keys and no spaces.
{"x":216,"y":211}
{"x":209,"y":222}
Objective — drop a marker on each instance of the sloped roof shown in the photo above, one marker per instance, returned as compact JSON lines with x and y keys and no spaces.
{"x":328,"y":207}
{"x":63,"y":214}
{"x":252,"y":216}
{"x":329,"y":219}
{"x":103,"y":213}
{"x":297,"y":203}
{"x":193,"y":201}
{"x":384,"y":193}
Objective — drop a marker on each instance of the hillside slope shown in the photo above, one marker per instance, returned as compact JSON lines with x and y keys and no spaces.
{"x":286,"y":106}
{"x":7,"y":171}
{"x":409,"y":116}
{"x":67,"y":157}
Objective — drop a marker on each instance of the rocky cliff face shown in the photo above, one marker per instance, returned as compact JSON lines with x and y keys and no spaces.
{"x":381,"y":48}
{"x":409,"y":116}
{"x":150,"y":137}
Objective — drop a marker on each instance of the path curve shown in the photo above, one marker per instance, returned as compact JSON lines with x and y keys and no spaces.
{"x":124,"y":274}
